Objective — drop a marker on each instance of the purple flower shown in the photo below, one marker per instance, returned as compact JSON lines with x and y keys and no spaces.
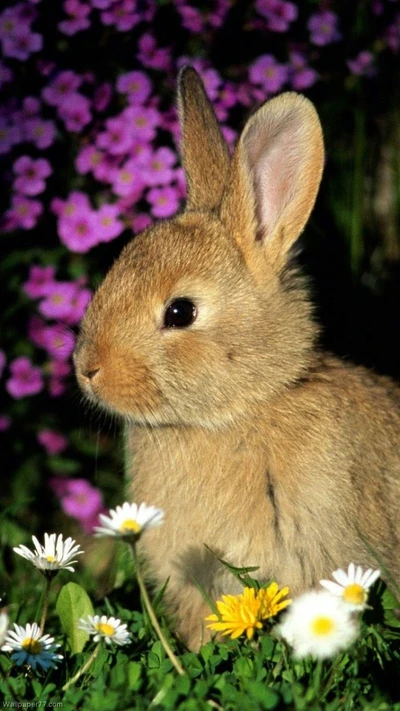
{"x":75,"y":112}
{"x":40,"y":281}
{"x":323,"y":28}
{"x":25,"y":378}
{"x":301,"y":76}
{"x":31,"y":175}
{"x":129,"y":181}
{"x":22,"y":44}
{"x":61,"y":88}
{"x":79,"y":499}
{"x":23,"y":212}
{"x":140,"y":222}
{"x":52,"y":441}
{"x":66,"y":301}
{"x":269,"y":73}
{"x":9,"y":136}
{"x":192,"y":18}
{"x":164,"y":201}
{"x":136,"y":85}
{"x":142,"y":122}
{"x":37,"y":331}
{"x":108,"y":224}
{"x":102,"y":96}
{"x":122,"y":14}
{"x":279,"y":14}
{"x":78,"y":231}
{"x":41,"y":133}
{"x":392,"y":35}
{"x":58,"y":341}
{"x":59,"y":370}
{"x":362,"y":65}
{"x":117,"y":139}
{"x":152,"y":56}
{"x":78,"y":17}
{"x":158,"y":169}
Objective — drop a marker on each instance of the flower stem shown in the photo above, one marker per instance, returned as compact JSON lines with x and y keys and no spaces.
{"x":46,"y":598}
{"x":150,"y":611}
{"x":83,"y":669}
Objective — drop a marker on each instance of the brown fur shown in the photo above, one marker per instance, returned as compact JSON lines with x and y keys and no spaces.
{"x":250,"y":439}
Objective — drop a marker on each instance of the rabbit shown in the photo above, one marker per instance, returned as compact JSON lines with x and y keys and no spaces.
{"x":258,"y":446}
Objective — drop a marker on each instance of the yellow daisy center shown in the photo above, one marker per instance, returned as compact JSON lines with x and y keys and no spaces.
{"x":32,"y":646}
{"x":355,"y":594}
{"x":50,"y":559}
{"x":322,"y":626}
{"x":130,"y":525}
{"x":105,"y":628}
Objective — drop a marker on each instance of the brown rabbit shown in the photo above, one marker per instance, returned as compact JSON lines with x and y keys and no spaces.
{"x":201,"y":337}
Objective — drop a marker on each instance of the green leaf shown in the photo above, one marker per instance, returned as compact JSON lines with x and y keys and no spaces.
{"x":73,"y":603}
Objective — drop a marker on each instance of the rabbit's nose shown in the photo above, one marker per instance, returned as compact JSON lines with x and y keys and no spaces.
{"x":90,"y":374}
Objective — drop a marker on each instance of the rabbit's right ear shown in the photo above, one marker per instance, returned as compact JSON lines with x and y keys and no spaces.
{"x":274,"y":180}
{"x":203,"y":147}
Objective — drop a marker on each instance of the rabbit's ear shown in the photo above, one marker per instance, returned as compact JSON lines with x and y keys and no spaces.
{"x":204,"y":150}
{"x":274,"y":178}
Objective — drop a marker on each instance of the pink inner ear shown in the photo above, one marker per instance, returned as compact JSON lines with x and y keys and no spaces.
{"x":275,"y":158}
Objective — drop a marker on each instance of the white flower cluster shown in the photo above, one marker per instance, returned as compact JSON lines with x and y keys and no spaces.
{"x":324,"y":622}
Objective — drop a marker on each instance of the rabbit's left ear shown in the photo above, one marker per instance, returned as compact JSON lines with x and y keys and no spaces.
{"x":204,"y":150}
{"x":274,"y":178}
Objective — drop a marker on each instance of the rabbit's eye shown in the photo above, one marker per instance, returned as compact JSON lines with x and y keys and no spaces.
{"x":180,"y":314}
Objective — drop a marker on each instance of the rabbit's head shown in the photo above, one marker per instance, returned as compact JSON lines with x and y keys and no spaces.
{"x":202,"y":316}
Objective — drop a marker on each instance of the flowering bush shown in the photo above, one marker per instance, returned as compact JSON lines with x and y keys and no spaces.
{"x":89,"y":157}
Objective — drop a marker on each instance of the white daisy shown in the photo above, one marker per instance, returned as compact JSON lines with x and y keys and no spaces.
{"x":352,"y":586}
{"x":129,"y":520}
{"x":56,"y":554}
{"x":3,"y":626}
{"x":28,"y":646}
{"x":110,"y":629}
{"x":319,"y":624}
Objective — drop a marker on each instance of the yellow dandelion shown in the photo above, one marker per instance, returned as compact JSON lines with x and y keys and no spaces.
{"x":244,"y":613}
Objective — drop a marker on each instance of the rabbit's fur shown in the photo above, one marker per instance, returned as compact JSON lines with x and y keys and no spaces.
{"x":251,"y":440}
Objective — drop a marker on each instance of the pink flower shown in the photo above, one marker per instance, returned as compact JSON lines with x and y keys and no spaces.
{"x":59,"y":341}
{"x":59,"y":370}
{"x":78,"y":231}
{"x":79,"y":499}
{"x":88,"y":159}
{"x":142,"y":122}
{"x":40,"y":281}
{"x":9,"y":136}
{"x":362,"y":65}
{"x":164,"y":201}
{"x":67,"y":301}
{"x":22,"y":44}
{"x":122,"y":14}
{"x":52,"y":441}
{"x":25,"y":378}
{"x":31,"y":175}
{"x":129,"y":181}
{"x":140,"y":222}
{"x":192,"y":18}
{"x":269,"y":73}
{"x":75,"y":112}
{"x":75,"y":201}
{"x":78,"y":17}
{"x":136,"y":84}
{"x":61,"y":88}
{"x":158,"y":170}
{"x":37,"y":331}
{"x":108,"y":224}
{"x":279,"y":14}
{"x":323,"y":28}
{"x":301,"y":76}
{"x":152,"y":56}
{"x":41,"y":133}
{"x":102,"y":96}
{"x":24,"y":212}
{"x":118,"y":137}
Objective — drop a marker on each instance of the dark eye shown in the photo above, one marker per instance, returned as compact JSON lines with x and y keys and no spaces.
{"x":180,"y":314}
